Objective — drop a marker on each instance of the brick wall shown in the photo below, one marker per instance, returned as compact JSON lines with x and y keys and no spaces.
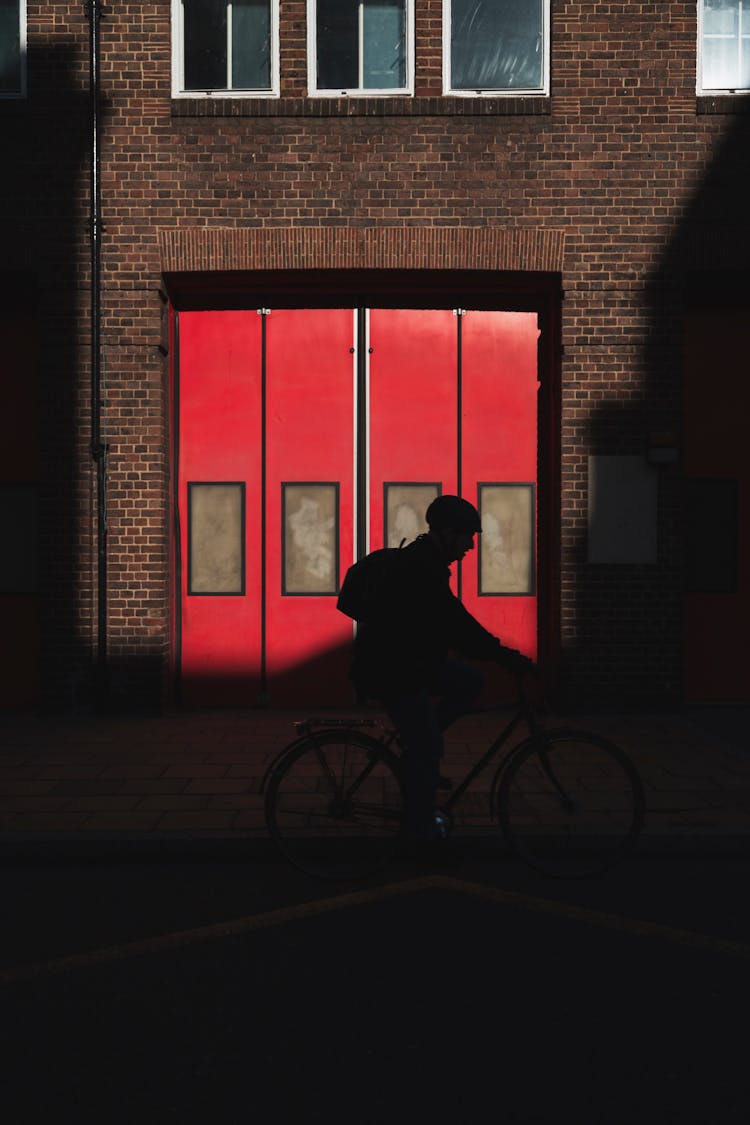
{"x":617,"y":160}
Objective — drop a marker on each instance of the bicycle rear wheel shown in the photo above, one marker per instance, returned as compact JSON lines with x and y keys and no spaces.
{"x":570,"y":804}
{"x":334,"y":805}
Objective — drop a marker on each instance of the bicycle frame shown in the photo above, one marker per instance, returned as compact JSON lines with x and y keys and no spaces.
{"x":310,"y":729}
{"x":524,"y":714}
{"x":341,"y":754}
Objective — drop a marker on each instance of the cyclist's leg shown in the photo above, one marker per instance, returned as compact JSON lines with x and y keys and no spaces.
{"x":415,"y":718}
{"x":458,"y":688}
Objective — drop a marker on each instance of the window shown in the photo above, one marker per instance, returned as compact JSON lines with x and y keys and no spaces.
{"x":496,"y":46}
{"x":360,"y":46}
{"x":723,"y":46}
{"x":216,"y":537}
{"x":12,"y":48}
{"x":225,"y":46}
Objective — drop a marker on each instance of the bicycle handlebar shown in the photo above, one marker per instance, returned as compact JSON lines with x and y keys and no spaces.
{"x":541,"y":703}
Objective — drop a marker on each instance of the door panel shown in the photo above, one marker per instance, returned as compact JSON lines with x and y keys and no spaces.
{"x":309,"y":502}
{"x":219,"y":445}
{"x":499,"y":468}
{"x":412,"y":408}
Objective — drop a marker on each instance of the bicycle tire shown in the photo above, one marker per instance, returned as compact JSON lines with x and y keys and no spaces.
{"x":579,"y":817}
{"x":334,"y":805}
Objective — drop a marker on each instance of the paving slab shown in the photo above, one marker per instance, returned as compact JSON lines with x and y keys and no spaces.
{"x":88,"y":780}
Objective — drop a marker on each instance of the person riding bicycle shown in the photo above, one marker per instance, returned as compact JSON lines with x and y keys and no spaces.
{"x":402,"y":653}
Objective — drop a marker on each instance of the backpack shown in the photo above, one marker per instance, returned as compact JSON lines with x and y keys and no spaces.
{"x":364,"y":581}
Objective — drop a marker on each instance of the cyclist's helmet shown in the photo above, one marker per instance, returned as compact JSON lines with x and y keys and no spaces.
{"x":453,"y":512}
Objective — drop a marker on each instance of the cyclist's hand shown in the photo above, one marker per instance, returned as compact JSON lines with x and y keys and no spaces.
{"x":515,"y":661}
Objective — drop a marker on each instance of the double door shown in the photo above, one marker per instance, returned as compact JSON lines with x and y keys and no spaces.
{"x":306,"y":437}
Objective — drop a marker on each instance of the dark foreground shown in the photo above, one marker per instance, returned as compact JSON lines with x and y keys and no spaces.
{"x":471,"y":991}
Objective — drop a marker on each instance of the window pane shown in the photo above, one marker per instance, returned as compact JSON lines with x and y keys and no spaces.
{"x":720,"y":17}
{"x":384,"y":45}
{"x":404,"y":509}
{"x":310,"y":545}
{"x":506,"y":545}
{"x":205,"y":24}
{"x":720,"y":70}
{"x":251,"y":45}
{"x":496,"y":44}
{"x":216,"y":538}
{"x":726,"y":45}
{"x":361,"y":44}
{"x":337,"y":40}
{"x":10,"y":47}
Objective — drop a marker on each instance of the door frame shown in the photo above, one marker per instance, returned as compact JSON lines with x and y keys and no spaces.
{"x":365,"y":289}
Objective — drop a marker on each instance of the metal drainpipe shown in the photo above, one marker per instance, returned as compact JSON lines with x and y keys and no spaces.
{"x":99,"y":447}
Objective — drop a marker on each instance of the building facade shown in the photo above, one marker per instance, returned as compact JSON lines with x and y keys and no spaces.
{"x":275,"y":273}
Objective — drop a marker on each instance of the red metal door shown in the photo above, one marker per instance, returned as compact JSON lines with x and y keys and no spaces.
{"x":310,"y":380}
{"x":453,"y":407}
{"x":282,"y":426}
{"x":266,"y":463}
{"x":219,"y":504}
{"x":499,"y":390}
{"x":413,"y":434}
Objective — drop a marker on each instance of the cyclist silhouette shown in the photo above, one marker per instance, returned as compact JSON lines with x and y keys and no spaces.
{"x":402,"y":654}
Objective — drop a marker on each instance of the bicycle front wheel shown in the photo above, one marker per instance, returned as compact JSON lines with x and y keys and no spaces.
{"x":570,"y":804}
{"x":334,"y":805}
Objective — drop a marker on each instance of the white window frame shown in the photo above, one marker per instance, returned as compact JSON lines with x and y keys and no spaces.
{"x":178,"y":59}
{"x":21,"y":92}
{"x":744,"y":12}
{"x":356,"y":92}
{"x":500,"y":92}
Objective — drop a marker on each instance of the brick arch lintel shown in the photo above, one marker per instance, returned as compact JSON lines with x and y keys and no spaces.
{"x":184,"y":249}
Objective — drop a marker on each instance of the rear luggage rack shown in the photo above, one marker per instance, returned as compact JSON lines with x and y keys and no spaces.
{"x":348,"y":723}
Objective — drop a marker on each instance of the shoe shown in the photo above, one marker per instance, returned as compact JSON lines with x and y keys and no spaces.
{"x":430,"y":843}
{"x":442,"y":825}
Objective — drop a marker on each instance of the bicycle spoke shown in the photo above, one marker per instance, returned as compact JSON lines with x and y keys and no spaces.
{"x":334,"y":804}
{"x":326,"y":767}
{"x":570,"y":804}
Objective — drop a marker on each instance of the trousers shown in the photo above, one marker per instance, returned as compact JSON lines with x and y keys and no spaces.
{"x":420,"y":718}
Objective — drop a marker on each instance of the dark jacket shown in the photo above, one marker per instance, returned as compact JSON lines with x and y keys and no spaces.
{"x":418,"y":622}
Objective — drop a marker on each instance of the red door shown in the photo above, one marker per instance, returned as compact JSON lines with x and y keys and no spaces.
{"x":310,"y":381}
{"x":453,"y":407}
{"x":413,"y":426}
{"x":266,"y":461}
{"x":286,"y":422}
{"x":499,"y":390}
{"x":219,"y":482}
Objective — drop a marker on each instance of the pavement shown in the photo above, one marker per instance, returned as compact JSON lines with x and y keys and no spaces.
{"x":86,"y":782}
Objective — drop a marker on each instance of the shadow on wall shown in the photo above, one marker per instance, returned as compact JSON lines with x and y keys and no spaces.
{"x":316,"y":685}
{"x":629,"y":600}
{"x":42,"y":219}
{"x":321,"y":680}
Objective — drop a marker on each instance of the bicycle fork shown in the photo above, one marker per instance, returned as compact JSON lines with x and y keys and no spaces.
{"x":544,"y":758}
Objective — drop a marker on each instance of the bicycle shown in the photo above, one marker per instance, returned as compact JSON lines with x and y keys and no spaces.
{"x":568,"y":802}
